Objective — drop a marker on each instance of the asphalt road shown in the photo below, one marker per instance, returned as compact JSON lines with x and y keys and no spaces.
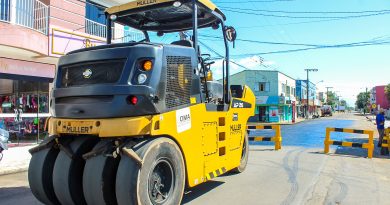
{"x":298,"y":174}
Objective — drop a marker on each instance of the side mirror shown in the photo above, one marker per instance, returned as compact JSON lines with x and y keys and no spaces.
{"x":231,"y":33}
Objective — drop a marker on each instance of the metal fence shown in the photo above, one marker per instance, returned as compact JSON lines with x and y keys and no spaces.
{"x":95,"y":28}
{"x":119,"y":34}
{"x":5,"y":10}
{"x":32,"y":14}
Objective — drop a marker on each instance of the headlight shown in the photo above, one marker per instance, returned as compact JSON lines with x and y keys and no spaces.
{"x":142,"y":78}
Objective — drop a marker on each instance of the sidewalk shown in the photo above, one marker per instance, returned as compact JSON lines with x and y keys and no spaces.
{"x":15,"y":159}
{"x":372,"y":119}
{"x":298,"y":120}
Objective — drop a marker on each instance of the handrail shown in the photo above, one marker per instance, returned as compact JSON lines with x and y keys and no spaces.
{"x":31,"y":14}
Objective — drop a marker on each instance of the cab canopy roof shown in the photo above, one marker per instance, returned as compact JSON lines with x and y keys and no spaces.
{"x":166,"y":15}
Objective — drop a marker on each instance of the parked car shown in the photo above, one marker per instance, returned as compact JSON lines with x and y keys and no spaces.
{"x":326,"y":110}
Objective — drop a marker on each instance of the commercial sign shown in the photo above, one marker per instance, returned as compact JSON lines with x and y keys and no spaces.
{"x":267,"y":100}
{"x":26,"y":68}
{"x":273,"y":114}
{"x":63,"y":41}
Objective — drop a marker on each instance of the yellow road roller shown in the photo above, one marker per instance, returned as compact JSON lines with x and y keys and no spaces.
{"x":139,"y":122}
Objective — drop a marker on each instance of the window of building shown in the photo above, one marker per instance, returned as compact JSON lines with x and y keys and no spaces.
{"x":288,"y":88}
{"x":95,"y":12}
{"x":264,"y":86}
{"x":283,"y":88}
{"x":4,"y":10}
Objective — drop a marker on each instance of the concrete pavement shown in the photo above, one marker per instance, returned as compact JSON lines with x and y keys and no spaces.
{"x":15,"y":159}
{"x":298,"y":174}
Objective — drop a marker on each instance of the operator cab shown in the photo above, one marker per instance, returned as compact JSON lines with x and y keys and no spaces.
{"x":145,"y":78}
{"x":177,"y":16}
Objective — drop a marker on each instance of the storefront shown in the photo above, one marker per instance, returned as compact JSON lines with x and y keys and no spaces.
{"x":274,"y":109}
{"x":24,"y":97}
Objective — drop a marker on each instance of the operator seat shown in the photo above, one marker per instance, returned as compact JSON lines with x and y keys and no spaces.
{"x":186,"y":43}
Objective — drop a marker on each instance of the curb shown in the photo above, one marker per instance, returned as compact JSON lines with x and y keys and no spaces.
{"x":13,"y":171}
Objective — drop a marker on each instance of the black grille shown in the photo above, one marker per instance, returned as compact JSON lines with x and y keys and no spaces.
{"x":179,"y":79}
{"x":100,"y":72}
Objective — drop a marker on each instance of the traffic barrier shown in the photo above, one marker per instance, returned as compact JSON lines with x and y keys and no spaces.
{"x":369,"y":146}
{"x":277,"y":138}
{"x":385,"y":149}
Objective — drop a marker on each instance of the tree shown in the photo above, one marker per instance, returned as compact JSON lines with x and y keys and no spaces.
{"x":332,"y":99}
{"x":343,"y":102}
{"x":387,"y":91}
{"x":361,"y":101}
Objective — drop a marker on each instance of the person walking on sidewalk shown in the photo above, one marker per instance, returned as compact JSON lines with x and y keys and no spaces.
{"x":380,"y":124}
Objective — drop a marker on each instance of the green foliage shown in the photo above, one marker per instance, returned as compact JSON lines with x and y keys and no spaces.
{"x":387,"y":91}
{"x":362,"y":99}
{"x":332,"y":99}
{"x":343,"y":103}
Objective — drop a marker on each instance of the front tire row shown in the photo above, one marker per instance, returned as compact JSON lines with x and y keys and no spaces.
{"x":62,"y":176}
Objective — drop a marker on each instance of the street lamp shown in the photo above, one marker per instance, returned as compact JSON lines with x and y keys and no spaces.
{"x":308,"y":87}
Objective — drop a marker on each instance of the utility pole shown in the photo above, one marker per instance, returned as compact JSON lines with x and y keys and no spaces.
{"x":327,"y":94}
{"x":308,"y":88}
{"x":365,"y":103}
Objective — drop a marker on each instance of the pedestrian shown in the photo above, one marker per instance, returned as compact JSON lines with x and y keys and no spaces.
{"x":380,"y":124}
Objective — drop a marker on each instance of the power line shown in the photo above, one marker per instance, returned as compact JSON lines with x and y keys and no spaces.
{"x":258,"y":1}
{"x":221,"y":56}
{"x":306,"y":12}
{"x":264,"y":42}
{"x":304,"y":17}
{"x":374,"y":40}
{"x":312,"y":48}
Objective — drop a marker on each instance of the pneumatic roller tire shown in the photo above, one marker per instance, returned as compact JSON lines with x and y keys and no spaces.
{"x":99,"y":179}
{"x":68,"y":171}
{"x":244,"y":156}
{"x":40,"y":174}
{"x":160,"y":180}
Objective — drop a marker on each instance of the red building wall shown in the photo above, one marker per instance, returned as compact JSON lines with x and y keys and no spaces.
{"x":381,"y":98}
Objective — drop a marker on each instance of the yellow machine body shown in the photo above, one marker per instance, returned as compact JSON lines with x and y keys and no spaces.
{"x":211,"y":142}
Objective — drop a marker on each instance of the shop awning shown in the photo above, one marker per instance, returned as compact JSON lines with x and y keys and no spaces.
{"x":26,"y":70}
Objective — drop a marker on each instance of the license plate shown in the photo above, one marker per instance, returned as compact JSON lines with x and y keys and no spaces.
{"x":80,"y":127}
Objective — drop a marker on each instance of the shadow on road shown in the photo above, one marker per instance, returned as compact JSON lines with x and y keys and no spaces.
{"x":200,"y":190}
{"x":17,"y":195}
{"x":359,"y":152}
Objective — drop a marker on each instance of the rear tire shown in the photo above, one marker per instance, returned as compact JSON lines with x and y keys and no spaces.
{"x":99,"y":179}
{"x":160,"y":180}
{"x":68,"y":172}
{"x":40,"y":173}
{"x":244,"y":156}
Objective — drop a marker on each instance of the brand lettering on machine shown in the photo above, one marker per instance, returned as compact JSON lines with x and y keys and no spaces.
{"x":70,"y":129}
{"x":238,"y":105}
{"x":236,"y":128}
{"x":146,"y":2}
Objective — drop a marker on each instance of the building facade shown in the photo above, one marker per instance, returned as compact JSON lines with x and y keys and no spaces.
{"x":274,"y":91}
{"x":379,"y":97}
{"x":33,"y":35}
{"x":304,"y":100}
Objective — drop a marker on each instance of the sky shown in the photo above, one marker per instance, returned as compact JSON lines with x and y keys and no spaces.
{"x":349,"y":70}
